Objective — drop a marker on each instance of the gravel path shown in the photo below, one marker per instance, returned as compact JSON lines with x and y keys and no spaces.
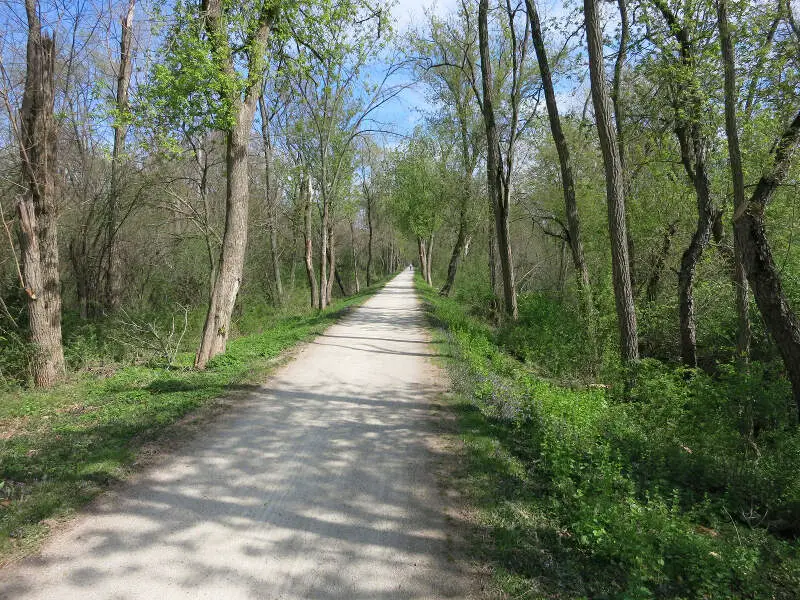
{"x":319,"y":487}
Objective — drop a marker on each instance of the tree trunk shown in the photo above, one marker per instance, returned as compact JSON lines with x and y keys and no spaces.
{"x":234,"y":240}
{"x":564,"y":160}
{"x":37,"y":210}
{"x":762,"y":273}
{"x":422,"y":257}
{"x":452,"y":266}
{"x":615,"y":193}
{"x":355,"y":257}
{"x":305,"y":202}
{"x":271,"y":197}
{"x":619,"y":120}
{"x":693,"y":156}
{"x":689,"y":260}
{"x":499,"y":194}
{"x":369,"y":243}
{"x":323,"y":256}
{"x":331,"y":266}
{"x":658,"y":264}
{"x":113,"y":278}
{"x":340,"y":283}
{"x":743,"y":330}
{"x":492,"y":257}
{"x":428,"y":261}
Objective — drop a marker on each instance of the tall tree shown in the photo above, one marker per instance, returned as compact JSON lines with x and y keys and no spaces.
{"x":615,"y":190}
{"x":36,"y":207}
{"x":270,"y":195}
{"x":500,"y":155}
{"x":444,"y":68}
{"x":565,"y":162}
{"x":240,"y":95}
{"x":113,"y":272}
{"x":737,"y":176}
{"x":694,"y":148}
{"x":759,"y":264}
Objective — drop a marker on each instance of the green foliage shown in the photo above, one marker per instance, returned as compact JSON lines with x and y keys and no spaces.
{"x":675,"y":492}
{"x":417,"y":182}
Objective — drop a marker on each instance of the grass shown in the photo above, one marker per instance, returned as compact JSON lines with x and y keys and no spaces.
{"x":576,"y":494}
{"x":59,"y":448}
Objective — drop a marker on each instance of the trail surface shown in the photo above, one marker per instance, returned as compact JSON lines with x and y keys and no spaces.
{"x":319,"y":487}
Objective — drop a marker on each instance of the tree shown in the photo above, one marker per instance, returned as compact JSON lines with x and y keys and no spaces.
{"x":499,"y":162}
{"x":270,"y":194}
{"x":333,"y":45}
{"x":443,"y":67}
{"x":36,"y":206}
{"x":615,"y":191}
{"x":737,"y":177}
{"x":694,"y":149}
{"x":759,"y":264}
{"x":113,"y":273}
{"x":216,"y":62}
{"x":416,"y":197}
{"x":575,"y":239}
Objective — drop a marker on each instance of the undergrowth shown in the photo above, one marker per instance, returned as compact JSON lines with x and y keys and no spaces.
{"x":685,"y":488}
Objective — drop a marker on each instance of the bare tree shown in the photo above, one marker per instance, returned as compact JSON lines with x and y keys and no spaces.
{"x":113,"y":273}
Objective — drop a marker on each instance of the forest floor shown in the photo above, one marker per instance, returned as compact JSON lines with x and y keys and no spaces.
{"x":322,"y":483}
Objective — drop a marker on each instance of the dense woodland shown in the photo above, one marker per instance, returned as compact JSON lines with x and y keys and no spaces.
{"x":602,"y":195}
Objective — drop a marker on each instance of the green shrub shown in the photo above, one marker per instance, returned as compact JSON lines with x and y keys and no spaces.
{"x":683,"y":487}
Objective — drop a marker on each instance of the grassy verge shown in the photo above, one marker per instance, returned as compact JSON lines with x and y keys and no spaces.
{"x":578,"y":495}
{"x":59,"y":448}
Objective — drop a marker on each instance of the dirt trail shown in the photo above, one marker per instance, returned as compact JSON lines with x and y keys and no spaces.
{"x":320,"y":487}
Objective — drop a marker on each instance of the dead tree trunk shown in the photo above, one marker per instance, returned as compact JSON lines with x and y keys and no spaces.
{"x":762,"y":273}
{"x":615,"y":192}
{"x":113,"y":274}
{"x":305,"y":202}
{"x":234,"y":241}
{"x":743,"y":331}
{"x":37,"y":210}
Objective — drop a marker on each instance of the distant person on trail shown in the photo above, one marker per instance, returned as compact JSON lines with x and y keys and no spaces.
{"x":410,"y":267}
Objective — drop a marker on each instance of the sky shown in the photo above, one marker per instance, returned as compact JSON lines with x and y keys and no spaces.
{"x":407,"y":109}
